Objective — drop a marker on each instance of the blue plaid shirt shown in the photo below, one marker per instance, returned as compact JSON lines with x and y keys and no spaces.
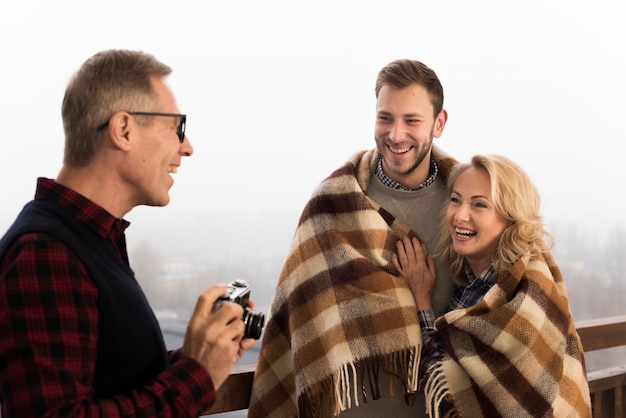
{"x":463,"y":297}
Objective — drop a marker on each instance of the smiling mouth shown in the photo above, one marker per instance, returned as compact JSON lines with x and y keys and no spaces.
{"x":399,"y":150}
{"x":466,"y":233}
{"x":171,"y":169}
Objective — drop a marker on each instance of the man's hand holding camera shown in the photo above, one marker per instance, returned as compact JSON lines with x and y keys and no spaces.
{"x":217,"y":338}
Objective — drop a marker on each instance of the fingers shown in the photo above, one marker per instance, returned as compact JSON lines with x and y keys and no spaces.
{"x":206,"y":300}
{"x":247,"y":343}
{"x":410,"y":252}
{"x":223,"y":311}
{"x":404,"y":255}
{"x":418,"y":268}
{"x":416,"y":251}
{"x":396,"y":262}
{"x":215,"y":334}
{"x":214,"y":339}
{"x":431,"y":265}
{"x":212,"y":321}
{"x":244,"y":345}
{"x":401,"y":252}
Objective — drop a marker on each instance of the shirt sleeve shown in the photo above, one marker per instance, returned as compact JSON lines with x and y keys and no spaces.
{"x":48,"y":340}
{"x":432,"y":346}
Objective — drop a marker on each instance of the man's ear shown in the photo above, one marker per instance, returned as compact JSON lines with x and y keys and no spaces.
{"x":120,"y":126}
{"x":440,"y":123}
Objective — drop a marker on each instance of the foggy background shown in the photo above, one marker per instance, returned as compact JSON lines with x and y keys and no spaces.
{"x":280,"y":93}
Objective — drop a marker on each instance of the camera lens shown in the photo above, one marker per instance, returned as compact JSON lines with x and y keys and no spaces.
{"x":253,"y":322}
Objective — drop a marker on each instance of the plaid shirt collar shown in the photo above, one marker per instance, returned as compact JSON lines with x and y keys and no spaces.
{"x":475,"y":289}
{"x":384,"y":179}
{"x":83,"y":209}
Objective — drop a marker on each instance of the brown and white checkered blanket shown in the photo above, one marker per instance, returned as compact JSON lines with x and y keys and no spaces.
{"x":516,"y":353}
{"x":338,"y":309}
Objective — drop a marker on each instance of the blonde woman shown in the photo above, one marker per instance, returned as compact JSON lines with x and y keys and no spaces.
{"x":508,"y":344}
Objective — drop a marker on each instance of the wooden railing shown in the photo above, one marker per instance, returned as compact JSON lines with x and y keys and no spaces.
{"x":607,"y":386}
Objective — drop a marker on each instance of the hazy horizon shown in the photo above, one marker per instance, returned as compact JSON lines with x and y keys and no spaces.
{"x":279,"y":94}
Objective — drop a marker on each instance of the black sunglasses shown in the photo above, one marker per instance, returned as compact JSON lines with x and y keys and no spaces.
{"x":180,"y":129}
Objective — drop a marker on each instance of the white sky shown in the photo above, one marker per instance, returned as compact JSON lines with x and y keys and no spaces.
{"x":280,"y":93}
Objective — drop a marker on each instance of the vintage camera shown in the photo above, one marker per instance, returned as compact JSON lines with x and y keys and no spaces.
{"x":239,"y":292}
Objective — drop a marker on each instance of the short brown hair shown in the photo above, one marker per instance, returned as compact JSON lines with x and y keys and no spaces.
{"x":404,"y":72}
{"x":106,"y":83}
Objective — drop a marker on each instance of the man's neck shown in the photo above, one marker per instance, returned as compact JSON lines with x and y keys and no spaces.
{"x":89,"y":181}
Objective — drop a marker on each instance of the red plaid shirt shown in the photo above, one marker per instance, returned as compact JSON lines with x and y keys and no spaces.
{"x":49,"y":330}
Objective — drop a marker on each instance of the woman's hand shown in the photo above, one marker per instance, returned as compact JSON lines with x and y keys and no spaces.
{"x":418,"y":269}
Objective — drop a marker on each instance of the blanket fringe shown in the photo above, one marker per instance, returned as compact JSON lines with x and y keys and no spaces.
{"x":436,"y":389}
{"x":340,"y":391}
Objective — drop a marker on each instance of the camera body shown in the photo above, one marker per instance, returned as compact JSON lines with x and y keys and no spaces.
{"x":239,"y":292}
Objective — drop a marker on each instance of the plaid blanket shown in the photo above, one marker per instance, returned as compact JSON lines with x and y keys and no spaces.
{"x":339,"y":308}
{"x":514,"y":354}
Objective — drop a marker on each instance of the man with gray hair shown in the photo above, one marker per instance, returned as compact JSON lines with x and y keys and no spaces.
{"x":77,"y":335}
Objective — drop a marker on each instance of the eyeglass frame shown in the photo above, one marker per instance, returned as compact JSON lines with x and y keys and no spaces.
{"x":180,"y":129}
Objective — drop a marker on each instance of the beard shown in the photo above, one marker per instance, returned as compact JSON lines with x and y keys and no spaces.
{"x":420,"y":155}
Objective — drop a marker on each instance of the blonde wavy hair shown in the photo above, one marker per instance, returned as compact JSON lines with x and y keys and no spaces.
{"x":517,"y":199}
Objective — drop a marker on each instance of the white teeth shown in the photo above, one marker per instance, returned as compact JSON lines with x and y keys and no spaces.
{"x":400,"y":150}
{"x":171,"y":169}
{"x":464,"y":232}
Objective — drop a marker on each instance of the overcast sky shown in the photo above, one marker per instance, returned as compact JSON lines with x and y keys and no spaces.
{"x":280,"y":93}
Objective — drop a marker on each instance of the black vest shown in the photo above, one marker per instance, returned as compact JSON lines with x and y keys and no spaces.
{"x":131,"y":349}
